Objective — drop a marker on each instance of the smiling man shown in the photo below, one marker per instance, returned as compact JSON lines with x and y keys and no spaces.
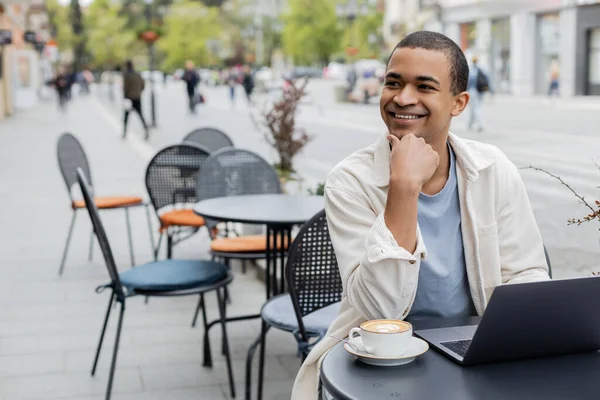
{"x":424,"y":223}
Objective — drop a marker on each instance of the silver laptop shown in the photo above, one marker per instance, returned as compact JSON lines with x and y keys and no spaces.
{"x":527,"y":320}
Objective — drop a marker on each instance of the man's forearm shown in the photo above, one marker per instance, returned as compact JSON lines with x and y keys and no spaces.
{"x":401,"y":212}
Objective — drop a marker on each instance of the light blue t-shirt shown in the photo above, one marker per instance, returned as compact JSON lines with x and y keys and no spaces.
{"x":443,"y":287}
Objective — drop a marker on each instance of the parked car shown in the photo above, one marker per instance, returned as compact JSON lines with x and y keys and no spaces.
{"x":306,"y":72}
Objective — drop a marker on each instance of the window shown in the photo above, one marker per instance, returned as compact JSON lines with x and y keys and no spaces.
{"x":594,"y":56}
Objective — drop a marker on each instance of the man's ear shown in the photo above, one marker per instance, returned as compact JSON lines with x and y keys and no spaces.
{"x":460,"y":103}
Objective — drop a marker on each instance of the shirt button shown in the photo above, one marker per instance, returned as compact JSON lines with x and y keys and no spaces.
{"x":412,"y":262}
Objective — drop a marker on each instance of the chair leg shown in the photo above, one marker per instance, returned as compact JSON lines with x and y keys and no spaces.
{"x":64,"y":257}
{"x":169,"y":246}
{"x":221,"y":301}
{"x":207,"y":350}
{"x":129,"y":236}
{"x":157,"y":248}
{"x":197,"y":311}
{"x":226,"y":290}
{"x":146,"y":206}
{"x":243,"y":266}
{"x":261,"y":366}
{"x":111,"y":374}
{"x":91,"y":252}
{"x":249,"y":358}
{"x":110,"y":302}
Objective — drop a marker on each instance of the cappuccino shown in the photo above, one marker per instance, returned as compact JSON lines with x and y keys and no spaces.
{"x":385,"y":326}
{"x":382,"y":337}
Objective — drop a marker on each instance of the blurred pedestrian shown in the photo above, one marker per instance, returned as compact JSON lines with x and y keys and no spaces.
{"x":133,"y":86}
{"x":554,"y":78}
{"x":478,"y":85}
{"x":248,"y":83}
{"x":191,"y":79}
{"x":231,"y":80}
{"x":61,"y":85}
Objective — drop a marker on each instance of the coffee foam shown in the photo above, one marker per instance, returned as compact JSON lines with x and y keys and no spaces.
{"x":386,"y":326}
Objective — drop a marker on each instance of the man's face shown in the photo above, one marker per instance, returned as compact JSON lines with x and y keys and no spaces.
{"x":417,"y":96}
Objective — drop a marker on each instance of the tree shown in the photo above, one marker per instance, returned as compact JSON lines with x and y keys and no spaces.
{"x":188,"y":26}
{"x":311,"y":34}
{"x":79,"y":39}
{"x":272,"y":37}
{"x":109,"y":40}
{"x":364,"y":34}
{"x":58,"y":15}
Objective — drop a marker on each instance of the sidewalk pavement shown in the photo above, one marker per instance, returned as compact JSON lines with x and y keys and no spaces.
{"x":49,"y":325}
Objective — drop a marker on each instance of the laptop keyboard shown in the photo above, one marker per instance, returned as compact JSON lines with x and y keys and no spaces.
{"x":458,"y":346}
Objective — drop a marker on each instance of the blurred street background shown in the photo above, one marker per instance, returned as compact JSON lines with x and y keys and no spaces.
{"x":231,"y":64}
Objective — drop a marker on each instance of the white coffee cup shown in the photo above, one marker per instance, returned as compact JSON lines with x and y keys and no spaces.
{"x":383,"y":337}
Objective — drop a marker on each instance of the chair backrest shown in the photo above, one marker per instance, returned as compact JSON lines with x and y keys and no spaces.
{"x":235,"y":172}
{"x":171,"y":175}
{"x":90,"y":205}
{"x":71,"y":156}
{"x":312,"y":271}
{"x":211,"y":138}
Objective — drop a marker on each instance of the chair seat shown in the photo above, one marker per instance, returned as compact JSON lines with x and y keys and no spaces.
{"x":243,"y":244}
{"x":172,"y":275}
{"x":103,"y":202}
{"x":279,"y":312}
{"x":186,"y":217}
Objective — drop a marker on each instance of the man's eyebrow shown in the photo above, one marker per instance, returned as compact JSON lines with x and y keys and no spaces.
{"x":420,"y":78}
{"x":425,"y":78}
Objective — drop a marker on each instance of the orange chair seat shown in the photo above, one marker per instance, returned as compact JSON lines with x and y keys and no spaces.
{"x":243,"y":244}
{"x":103,"y":202}
{"x":185,"y":217}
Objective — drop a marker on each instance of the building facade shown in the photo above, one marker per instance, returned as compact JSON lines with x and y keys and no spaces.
{"x":518,"y":41}
{"x":20,"y":66}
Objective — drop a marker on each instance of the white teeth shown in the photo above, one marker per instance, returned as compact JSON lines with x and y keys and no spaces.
{"x":406,"y":116}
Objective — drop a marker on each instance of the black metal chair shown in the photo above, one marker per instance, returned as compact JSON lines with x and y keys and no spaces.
{"x":160,"y":279}
{"x":171,"y":178}
{"x":235,"y":172}
{"x":72,"y":156}
{"x":315,"y":292}
{"x":211,"y":138}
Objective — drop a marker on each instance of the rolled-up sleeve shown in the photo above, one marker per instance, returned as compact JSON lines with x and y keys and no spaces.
{"x":379,"y":277}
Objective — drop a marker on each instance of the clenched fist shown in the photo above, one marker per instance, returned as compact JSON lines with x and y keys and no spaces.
{"x":413,"y":162}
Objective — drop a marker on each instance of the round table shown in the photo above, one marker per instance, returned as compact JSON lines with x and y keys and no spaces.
{"x":264,"y":209}
{"x":279,"y":213}
{"x":432,"y":376}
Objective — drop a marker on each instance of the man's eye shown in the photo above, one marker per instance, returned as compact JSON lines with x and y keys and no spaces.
{"x":392,"y":84}
{"x":426,"y":87}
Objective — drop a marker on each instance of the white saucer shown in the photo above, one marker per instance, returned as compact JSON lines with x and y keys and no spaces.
{"x":416,"y":347}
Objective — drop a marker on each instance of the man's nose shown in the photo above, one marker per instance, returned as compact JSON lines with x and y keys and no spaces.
{"x":406,"y":97}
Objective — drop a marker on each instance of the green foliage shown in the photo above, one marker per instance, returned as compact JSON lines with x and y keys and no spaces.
{"x":188,"y":26}
{"x":311,"y":32}
{"x":58,"y":15}
{"x":109,"y":39}
{"x":318,"y":191}
{"x":359,"y":33}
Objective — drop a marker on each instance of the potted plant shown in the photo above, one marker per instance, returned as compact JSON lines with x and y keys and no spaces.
{"x":283,"y":134}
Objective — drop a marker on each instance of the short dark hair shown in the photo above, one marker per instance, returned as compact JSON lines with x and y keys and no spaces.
{"x":459,"y":68}
{"x":129,"y":65}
